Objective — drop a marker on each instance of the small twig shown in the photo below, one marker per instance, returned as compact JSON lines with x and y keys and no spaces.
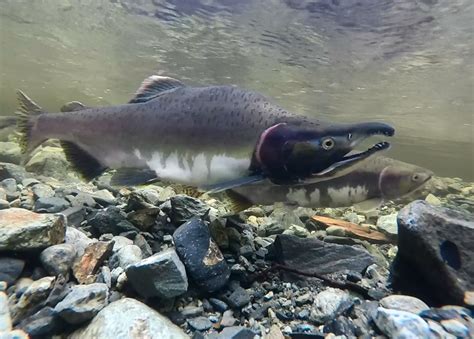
{"x":330,"y":282}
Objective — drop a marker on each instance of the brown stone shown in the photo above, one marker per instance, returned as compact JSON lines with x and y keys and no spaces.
{"x":25,"y":230}
{"x":94,"y":255}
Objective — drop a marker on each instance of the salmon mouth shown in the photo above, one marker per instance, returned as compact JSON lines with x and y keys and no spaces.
{"x":349,"y":162}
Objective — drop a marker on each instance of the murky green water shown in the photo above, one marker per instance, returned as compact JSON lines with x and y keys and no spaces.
{"x":407,"y":62}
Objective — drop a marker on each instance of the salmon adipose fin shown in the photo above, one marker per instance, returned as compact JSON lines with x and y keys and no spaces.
{"x":85,"y":164}
{"x":26,"y":117}
{"x":153,"y":86}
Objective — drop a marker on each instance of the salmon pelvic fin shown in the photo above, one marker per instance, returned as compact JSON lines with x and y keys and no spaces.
{"x":27,"y":113}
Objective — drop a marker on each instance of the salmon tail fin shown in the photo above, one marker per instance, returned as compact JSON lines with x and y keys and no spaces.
{"x":84,"y":163}
{"x":27,"y":114}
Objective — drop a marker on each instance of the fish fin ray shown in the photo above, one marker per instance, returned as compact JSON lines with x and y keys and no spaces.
{"x":133,"y":177}
{"x":153,"y":86}
{"x":190,"y":191}
{"x":84,"y":163}
{"x":26,"y":116}
{"x":368,"y":205}
{"x":225,"y":185}
{"x":73,"y":106}
{"x":236,"y":202}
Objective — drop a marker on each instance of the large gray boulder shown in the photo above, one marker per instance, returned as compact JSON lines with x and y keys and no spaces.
{"x":435,"y":253}
{"x":129,"y":318}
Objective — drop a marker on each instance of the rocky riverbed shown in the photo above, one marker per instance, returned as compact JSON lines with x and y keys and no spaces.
{"x":86,"y":260}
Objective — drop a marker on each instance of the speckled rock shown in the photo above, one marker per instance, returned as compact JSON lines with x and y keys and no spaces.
{"x":330,"y":303}
{"x":129,"y":318}
{"x":83,"y":302}
{"x":401,"y":324}
{"x":404,"y":303}
{"x":125,"y":256}
{"x":21,"y":229}
{"x":161,"y":275}
{"x":58,"y":259}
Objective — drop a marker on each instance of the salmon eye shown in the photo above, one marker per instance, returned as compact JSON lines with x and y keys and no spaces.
{"x":328,"y":144}
{"x":415,"y":177}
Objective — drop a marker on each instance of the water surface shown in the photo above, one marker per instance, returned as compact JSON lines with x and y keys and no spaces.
{"x":409,"y":62}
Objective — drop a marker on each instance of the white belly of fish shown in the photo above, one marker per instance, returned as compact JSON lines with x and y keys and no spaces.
{"x":200,"y":169}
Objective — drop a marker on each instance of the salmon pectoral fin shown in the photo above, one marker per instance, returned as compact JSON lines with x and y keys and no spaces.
{"x":226,"y":185}
{"x":133,"y":177}
{"x":84,"y":163}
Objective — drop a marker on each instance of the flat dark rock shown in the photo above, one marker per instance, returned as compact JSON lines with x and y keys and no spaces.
{"x":435,"y":251}
{"x":316,"y":256}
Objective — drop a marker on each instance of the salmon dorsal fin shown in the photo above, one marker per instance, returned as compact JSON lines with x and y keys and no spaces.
{"x":153,"y":86}
{"x":84,"y":163}
{"x":73,"y":106}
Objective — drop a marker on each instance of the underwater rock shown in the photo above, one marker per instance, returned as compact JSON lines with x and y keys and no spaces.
{"x":184,"y":208}
{"x":21,"y":229}
{"x":111,"y":220}
{"x":329,"y":303}
{"x":200,"y":323}
{"x":403,"y":303}
{"x":32,"y":299}
{"x":129,"y":318}
{"x":13,"y":171}
{"x":88,"y":264}
{"x":78,"y":239}
{"x":401,"y":324}
{"x":313,"y":255}
{"x":41,"y":324}
{"x":10,"y":269}
{"x":236,"y":332}
{"x":58,"y":259}
{"x":50,"y":205}
{"x":202,"y":258}
{"x":126,"y":256}
{"x":83,"y":302}
{"x":161,"y":275}
{"x":388,"y":225}
{"x":5,"y":320}
{"x":10,"y":152}
{"x":49,"y":161}
{"x":435,"y":251}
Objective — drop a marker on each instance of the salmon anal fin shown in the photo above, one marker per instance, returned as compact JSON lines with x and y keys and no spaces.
{"x":84,"y":163}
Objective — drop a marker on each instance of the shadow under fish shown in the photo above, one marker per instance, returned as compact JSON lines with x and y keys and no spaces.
{"x":214,"y":137}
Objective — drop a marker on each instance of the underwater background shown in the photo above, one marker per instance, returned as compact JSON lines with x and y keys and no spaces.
{"x":408,"y":63}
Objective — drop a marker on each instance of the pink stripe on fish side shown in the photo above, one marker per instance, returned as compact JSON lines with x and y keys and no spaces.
{"x":262,"y":138}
